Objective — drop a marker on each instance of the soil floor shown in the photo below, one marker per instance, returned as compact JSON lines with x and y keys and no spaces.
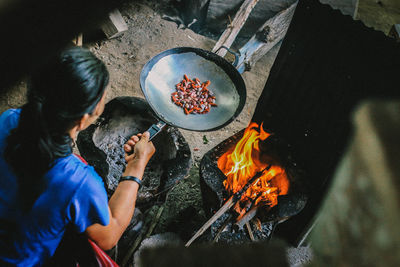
{"x":148,"y":35}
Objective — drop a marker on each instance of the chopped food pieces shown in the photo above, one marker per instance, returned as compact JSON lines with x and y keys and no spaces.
{"x":193,"y":96}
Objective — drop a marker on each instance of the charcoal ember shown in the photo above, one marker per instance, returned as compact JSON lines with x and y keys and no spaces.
{"x":239,"y":237}
{"x":263,"y":233}
{"x":219,"y":223}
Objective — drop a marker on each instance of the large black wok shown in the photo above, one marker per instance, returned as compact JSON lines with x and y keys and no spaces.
{"x":160,"y":75}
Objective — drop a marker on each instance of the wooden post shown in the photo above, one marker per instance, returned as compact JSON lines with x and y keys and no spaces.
{"x":267,"y":36}
{"x":229,"y":35}
{"x":115,"y":25}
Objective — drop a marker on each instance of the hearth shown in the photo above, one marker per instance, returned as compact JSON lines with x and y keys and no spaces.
{"x":271,"y":198}
{"x":102,"y":146}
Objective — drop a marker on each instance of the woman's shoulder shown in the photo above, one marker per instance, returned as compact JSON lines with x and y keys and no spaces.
{"x":9,"y":119}
{"x":71,"y":172}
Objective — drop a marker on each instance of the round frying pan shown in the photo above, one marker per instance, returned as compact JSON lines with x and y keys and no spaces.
{"x":161,"y":73}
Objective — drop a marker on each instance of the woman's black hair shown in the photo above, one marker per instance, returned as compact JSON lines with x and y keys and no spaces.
{"x":58,"y":96}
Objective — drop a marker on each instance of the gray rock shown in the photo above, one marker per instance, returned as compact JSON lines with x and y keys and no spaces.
{"x":154,"y":241}
{"x":299,"y":256}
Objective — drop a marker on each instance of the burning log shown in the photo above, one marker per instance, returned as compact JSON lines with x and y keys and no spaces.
{"x":242,"y":220}
{"x":228,"y":204}
{"x":243,"y":161}
{"x":250,"y":208}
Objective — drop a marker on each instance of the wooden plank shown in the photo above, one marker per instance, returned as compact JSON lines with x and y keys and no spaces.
{"x":271,"y":33}
{"x":78,"y":40}
{"x":229,"y":35}
{"x":115,"y":24}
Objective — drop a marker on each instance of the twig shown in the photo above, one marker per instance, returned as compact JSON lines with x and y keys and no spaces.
{"x":222,"y":228}
{"x":133,"y":248}
{"x":230,"y":22}
{"x":228,"y":204}
{"x":155,"y":221}
{"x":166,"y":189}
{"x":250,"y":231}
{"x":141,"y":235}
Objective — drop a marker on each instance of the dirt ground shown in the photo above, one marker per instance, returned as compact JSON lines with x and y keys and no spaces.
{"x":148,"y":35}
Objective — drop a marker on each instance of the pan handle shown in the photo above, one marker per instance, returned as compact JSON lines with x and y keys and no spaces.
{"x":235,"y":63}
{"x":156,"y":129}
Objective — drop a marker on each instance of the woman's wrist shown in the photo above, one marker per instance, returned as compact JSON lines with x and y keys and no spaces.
{"x":135,"y":167}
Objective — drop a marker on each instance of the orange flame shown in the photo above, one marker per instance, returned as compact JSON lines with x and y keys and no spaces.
{"x":243,"y":162}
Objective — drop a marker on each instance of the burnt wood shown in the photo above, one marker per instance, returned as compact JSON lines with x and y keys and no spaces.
{"x":227,"y":205}
{"x":326,"y":65}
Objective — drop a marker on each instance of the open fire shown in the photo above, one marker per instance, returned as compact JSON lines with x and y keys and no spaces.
{"x":243,"y":180}
{"x":242,"y":162}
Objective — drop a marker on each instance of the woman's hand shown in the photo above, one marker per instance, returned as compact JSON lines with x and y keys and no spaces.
{"x":142,"y":150}
{"x":122,"y":202}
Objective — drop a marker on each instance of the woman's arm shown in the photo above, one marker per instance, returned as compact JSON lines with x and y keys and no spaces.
{"x":122,"y":202}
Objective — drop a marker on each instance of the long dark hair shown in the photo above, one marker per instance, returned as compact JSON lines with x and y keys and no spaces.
{"x":58,"y":96}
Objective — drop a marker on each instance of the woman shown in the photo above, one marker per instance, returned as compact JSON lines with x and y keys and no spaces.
{"x":44,"y":188}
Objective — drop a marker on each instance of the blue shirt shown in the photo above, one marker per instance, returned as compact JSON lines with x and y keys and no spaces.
{"x":75,"y":196}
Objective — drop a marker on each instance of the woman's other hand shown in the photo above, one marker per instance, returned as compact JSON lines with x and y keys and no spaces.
{"x":142,"y":150}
